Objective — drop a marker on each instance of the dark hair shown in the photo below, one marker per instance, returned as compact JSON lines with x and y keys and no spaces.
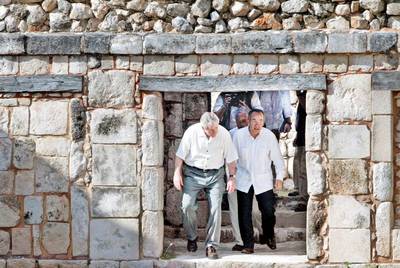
{"x":256,"y":111}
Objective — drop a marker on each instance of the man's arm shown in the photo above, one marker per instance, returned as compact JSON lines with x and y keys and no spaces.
{"x":231,"y":183}
{"x":178,"y":173}
{"x":277,"y":159}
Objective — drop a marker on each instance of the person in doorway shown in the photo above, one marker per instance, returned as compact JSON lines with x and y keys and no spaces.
{"x":299,"y":163}
{"x":199,"y":165}
{"x":257,"y":148}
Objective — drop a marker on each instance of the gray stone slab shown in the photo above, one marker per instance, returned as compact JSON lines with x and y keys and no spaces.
{"x":313,"y":137}
{"x":96,"y":43}
{"x":63,"y":263}
{"x":49,"y":117}
{"x":232,"y":83}
{"x":384,"y":224}
{"x":153,"y":189}
{"x":6,"y":182}
{"x":169,"y":44}
{"x":23,"y":153}
{"x":5,"y":153}
{"x":114,"y":165}
{"x":80,"y":221}
{"x":382,"y":180}
{"x":12,"y":44}
{"x":40,"y":83}
{"x":381,"y":41}
{"x":140,"y":264}
{"x":21,"y":263}
{"x":10,"y":211}
{"x":119,"y":242}
{"x":21,"y":241}
{"x":54,"y":44}
{"x":78,"y":119}
{"x":382,"y":102}
{"x":56,"y":238}
{"x":152,"y":230}
{"x":126,"y":44}
{"x":341,"y":240}
{"x":24,"y":182}
{"x":355,"y":42}
{"x":153,"y":143}
{"x":104,"y":264}
{"x":153,"y":107}
{"x":382,"y":141}
{"x":262,"y":42}
{"x":213,"y":44}
{"x":316,"y":216}
{"x":115,"y":202}
{"x":348,"y":176}
{"x":396,"y":244}
{"x":57,"y":208}
{"x":386,"y":81}
{"x":339,"y":145}
{"x":33,"y":209}
{"x":310,"y":42}
{"x":346,"y":212}
{"x":316,"y":184}
{"x":4,"y":243}
{"x":51,"y":174}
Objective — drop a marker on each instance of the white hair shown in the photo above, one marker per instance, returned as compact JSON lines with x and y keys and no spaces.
{"x":208,"y":119}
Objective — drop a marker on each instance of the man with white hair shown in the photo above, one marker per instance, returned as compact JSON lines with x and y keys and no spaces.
{"x":199,"y":165}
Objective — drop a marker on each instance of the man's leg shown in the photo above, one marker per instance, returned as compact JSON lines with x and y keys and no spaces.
{"x":266,"y":204}
{"x":245,"y":206}
{"x":233,"y":212}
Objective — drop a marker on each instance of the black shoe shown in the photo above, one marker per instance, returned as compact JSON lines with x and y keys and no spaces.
{"x":300,"y":207}
{"x":192,"y":245}
{"x":211,"y":253}
{"x":237,"y":247}
{"x":263,"y":240}
{"x":248,"y":250}
{"x":294,"y":193}
{"x":271,"y":243}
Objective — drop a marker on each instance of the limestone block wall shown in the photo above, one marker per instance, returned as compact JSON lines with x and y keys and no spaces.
{"x":82,"y":138}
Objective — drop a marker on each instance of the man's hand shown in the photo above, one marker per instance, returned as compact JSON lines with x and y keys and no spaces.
{"x":227,"y":100}
{"x":231,"y":186}
{"x":278,"y":185}
{"x":287,"y":127}
{"x":178,"y":181}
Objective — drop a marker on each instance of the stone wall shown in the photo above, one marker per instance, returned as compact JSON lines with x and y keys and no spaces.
{"x":199,"y":16}
{"x":82,"y":157}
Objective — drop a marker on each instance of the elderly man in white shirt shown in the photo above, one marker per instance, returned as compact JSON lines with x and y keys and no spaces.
{"x":199,"y":165}
{"x":257,"y":147}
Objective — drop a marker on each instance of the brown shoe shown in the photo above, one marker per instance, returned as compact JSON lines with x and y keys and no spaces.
{"x":271,"y":243}
{"x":248,"y":250}
{"x":237,"y":247}
{"x":211,"y":253}
{"x":192,"y":245}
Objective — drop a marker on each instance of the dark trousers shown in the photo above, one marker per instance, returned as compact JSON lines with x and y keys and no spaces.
{"x":266,"y":204}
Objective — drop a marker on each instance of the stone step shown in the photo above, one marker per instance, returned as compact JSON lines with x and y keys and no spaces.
{"x":282,"y":234}
{"x":289,"y":218}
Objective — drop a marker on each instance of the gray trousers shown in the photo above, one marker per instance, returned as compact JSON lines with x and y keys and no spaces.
{"x":214,"y":186}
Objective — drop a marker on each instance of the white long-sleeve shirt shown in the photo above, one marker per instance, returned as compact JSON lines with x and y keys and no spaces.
{"x":276,"y":106}
{"x":255,"y":156}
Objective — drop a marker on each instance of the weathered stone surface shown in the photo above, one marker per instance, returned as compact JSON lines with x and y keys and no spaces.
{"x":56,"y":237}
{"x":3,"y":263}
{"x":340,"y":240}
{"x":152,"y":107}
{"x":381,"y":41}
{"x":375,"y":6}
{"x":213,"y":44}
{"x":363,"y":63}
{"x":77,"y":161}
{"x":244,"y":64}
{"x":36,"y":237}
{"x":310,"y":42}
{"x":111,"y":88}
{"x":173,"y":212}
{"x":215,"y":65}
{"x":8,"y":65}
{"x":355,"y":42}
{"x":80,"y":221}
{"x":173,"y":119}
{"x":336,"y":63}
{"x":4,"y":122}
{"x":104,"y":264}
{"x":396,"y":244}
{"x":338,"y":23}
{"x":121,"y":241}
{"x":6,"y":182}
{"x":186,"y":64}
{"x":5,"y":153}
{"x":382,"y":142}
{"x":152,"y":143}
{"x":63,"y":263}
{"x":33,"y":209}
{"x":382,"y":179}
{"x":265,"y":42}
{"x":78,"y":120}
{"x":311,"y":63}
{"x":169,"y":44}
{"x":267,"y":64}
{"x":34,"y":65}
{"x":113,"y":202}
{"x":139,"y":264}
{"x":64,"y":44}
{"x":78,"y":65}
{"x":114,"y":165}
{"x":386,"y":80}
{"x":41,"y":83}
{"x":4,"y":243}
{"x":348,"y":176}
{"x":113,"y":126}
{"x":23,"y":153}
{"x":384,"y":223}
{"x":294,"y":6}
{"x":313,"y":132}
{"x":11,"y":44}
{"x":19,"y":121}
{"x":51,"y":174}
{"x":21,"y":241}
{"x":315,"y":101}
{"x":21,"y":263}
{"x":339,"y":146}
{"x":158,"y":65}
{"x":49,"y":117}
{"x":57,"y":208}
{"x":53,"y":146}
{"x":24,"y":182}
{"x":201,"y":8}
{"x":381,"y":102}
{"x":315,"y":174}
{"x":289,"y":64}
{"x":126,"y":44}
{"x":388,"y":61}
{"x":80,"y":11}
{"x":315,"y":218}
{"x":96,"y":43}
{"x":152,"y":230}
{"x":347,"y":212}
{"x":153,"y":189}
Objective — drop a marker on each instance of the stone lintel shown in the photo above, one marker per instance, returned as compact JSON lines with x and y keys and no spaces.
{"x":233,"y":83}
{"x":386,"y":81}
{"x":40,"y":83}
{"x":169,"y":44}
{"x":53,"y":44}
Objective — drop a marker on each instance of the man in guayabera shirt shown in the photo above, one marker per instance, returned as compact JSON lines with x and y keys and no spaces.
{"x":257,"y":148}
{"x":200,"y":165}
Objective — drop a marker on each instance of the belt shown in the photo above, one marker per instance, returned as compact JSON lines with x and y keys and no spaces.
{"x":203,"y":170}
